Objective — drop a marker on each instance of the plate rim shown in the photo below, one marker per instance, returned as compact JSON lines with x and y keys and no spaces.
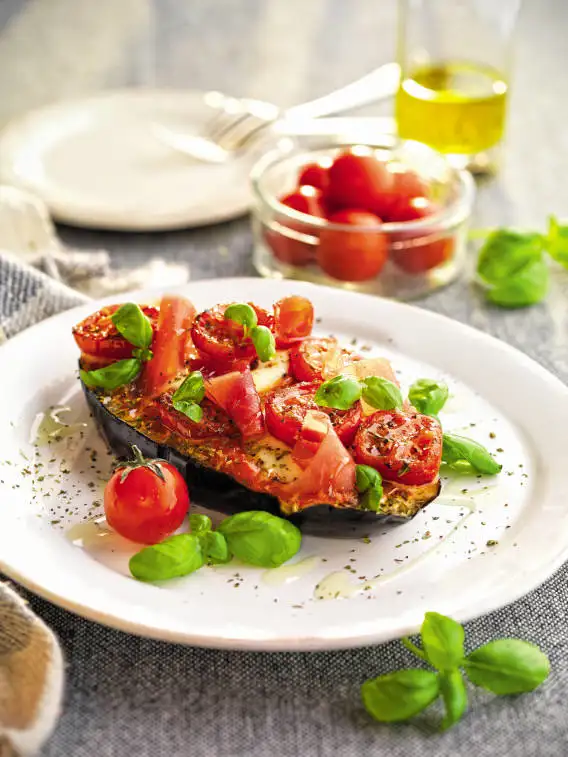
{"x":511,"y":592}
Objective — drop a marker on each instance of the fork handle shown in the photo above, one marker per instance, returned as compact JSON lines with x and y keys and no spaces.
{"x":380,"y":84}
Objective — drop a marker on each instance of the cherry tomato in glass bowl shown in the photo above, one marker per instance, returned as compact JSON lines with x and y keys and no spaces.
{"x":97,"y":335}
{"x":359,"y":181}
{"x":315,"y":175}
{"x":405,"y":185}
{"x":146,"y":500}
{"x":403,"y":447}
{"x":286,"y":248}
{"x":412,"y":209}
{"x":353,"y":255}
{"x":421,"y":254}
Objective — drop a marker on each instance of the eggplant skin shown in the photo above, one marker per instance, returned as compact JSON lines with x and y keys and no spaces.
{"x":218,"y":491}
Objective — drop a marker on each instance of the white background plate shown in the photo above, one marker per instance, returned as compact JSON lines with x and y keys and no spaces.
{"x":96,"y":163}
{"x":438,"y":561}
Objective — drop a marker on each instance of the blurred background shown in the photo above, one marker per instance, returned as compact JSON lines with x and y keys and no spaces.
{"x":282,"y":52}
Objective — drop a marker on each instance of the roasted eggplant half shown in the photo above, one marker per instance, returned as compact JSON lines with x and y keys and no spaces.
{"x":217,"y":490}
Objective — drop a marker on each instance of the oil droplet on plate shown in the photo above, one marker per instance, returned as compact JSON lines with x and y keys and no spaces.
{"x":49,"y":426}
{"x":286,"y":574}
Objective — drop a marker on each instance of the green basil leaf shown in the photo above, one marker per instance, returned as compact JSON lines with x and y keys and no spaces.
{"x":259,"y":538}
{"x":134,"y":326}
{"x":381,"y":393}
{"x":193,"y":411}
{"x":401,"y":695}
{"x":199,"y":524}
{"x":242,"y":314}
{"x":215,"y":547}
{"x":428,"y":396}
{"x":454,"y":694}
{"x":442,"y":640}
{"x":142,"y":353}
{"x":188,"y":395}
{"x":527,"y":287}
{"x":557,"y":241}
{"x":264,"y":344}
{"x":507,"y":666}
{"x":505,"y":253}
{"x":177,"y":556}
{"x":114,"y":375}
{"x":457,"y":450}
{"x":369,"y":483}
{"x":340,"y":392}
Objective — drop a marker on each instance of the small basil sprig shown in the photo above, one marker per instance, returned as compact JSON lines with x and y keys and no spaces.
{"x":512,"y":265}
{"x":113,"y":375}
{"x":176,"y":556}
{"x":261,"y":336}
{"x":213,"y":544}
{"x":188,"y":395}
{"x":504,"y":666}
{"x":370,"y":484}
{"x":260,"y":538}
{"x":136,"y":328}
{"x":428,"y":396}
{"x":462,"y":453}
{"x":341,"y":392}
{"x":133,"y":325}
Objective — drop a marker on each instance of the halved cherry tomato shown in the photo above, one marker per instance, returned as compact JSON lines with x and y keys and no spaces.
{"x":307,"y":359}
{"x":237,"y":395}
{"x":293,"y":320}
{"x":359,"y":180}
{"x":215,"y":422}
{"x":314,"y":175}
{"x":221,"y":339}
{"x":285,"y":411}
{"x":403,"y":447}
{"x":352,"y":255}
{"x":169,"y":345}
{"x":145,"y":501}
{"x":98,"y":336}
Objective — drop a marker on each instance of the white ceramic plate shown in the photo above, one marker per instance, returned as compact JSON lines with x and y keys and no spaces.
{"x":95,"y":162}
{"x":370,"y":588}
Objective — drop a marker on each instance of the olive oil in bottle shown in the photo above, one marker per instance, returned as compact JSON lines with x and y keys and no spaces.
{"x":453,"y":106}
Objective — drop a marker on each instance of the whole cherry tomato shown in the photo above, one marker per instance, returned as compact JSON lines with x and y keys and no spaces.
{"x":359,"y":181}
{"x":411,"y":209}
{"x":406,"y":185}
{"x":352,"y":255}
{"x":287,"y":249}
{"x":421,"y":254}
{"x":146,"y":500}
{"x":315,"y":175}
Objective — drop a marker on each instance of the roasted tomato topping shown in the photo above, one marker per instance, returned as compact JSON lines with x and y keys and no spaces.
{"x":403,"y":447}
{"x":293,"y":320}
{"x":97,"y":335}
{"x":215,"y":421}
{"x":223,"y":340}
{"x":285,"y":411}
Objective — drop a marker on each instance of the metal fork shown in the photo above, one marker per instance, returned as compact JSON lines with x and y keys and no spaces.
{"x":237,"y":122}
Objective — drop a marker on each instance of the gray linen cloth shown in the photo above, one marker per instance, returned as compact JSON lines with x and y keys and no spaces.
{"x":132,"y":696}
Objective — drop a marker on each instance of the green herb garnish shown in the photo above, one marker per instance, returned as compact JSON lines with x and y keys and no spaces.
{"x":188,"y":395}
{"x":261,"y":336}
{"x":505,"y":666}
{"x":381,"y":393}
{"x":264,"y":343}
{"x":242,"y":314}
{"x":340,"y":392}
{"x":259,"y":538}
{"x":370,"y":484}
{"x":133,"y":325}
{"x":462,"y":454}
{"x":177,"y":556}
{"x":428,"y":396}
{"x":114,"y":375}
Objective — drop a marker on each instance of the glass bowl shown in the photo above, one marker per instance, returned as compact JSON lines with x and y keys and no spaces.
{"x":422,"y":255}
